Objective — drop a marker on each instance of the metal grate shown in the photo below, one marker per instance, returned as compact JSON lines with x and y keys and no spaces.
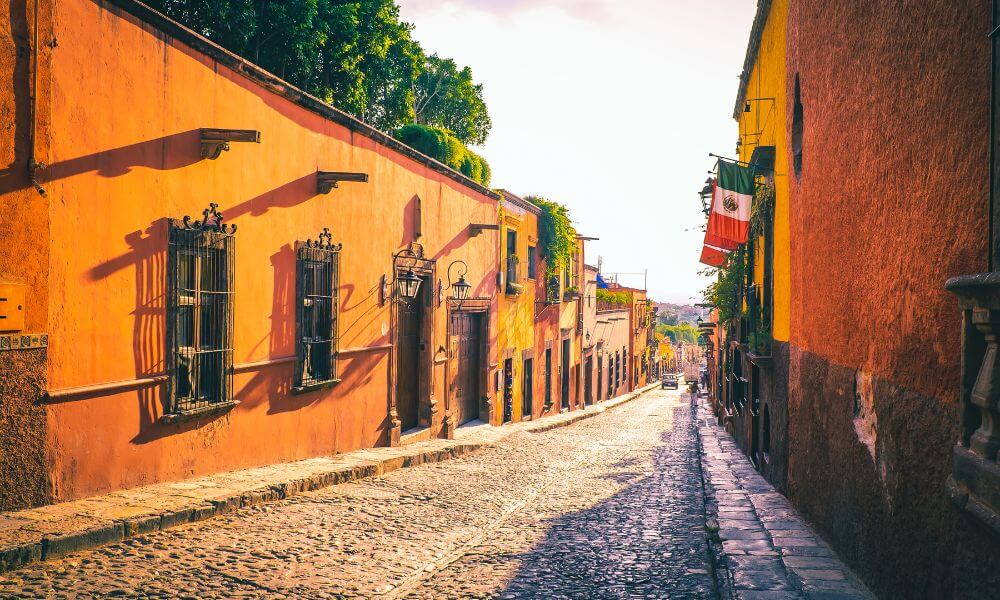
{"x":316,"y":285}
{"x":200,"y":312}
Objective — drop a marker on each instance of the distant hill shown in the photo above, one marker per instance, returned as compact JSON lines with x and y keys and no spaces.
{"x":672,"y":314}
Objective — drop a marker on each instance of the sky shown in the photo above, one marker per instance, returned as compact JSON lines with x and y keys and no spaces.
{"x":610,"y":107}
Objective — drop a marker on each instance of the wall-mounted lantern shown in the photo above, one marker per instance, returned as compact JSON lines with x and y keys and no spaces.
{"x":459,"y":289}
{"x":407,"y":286}
{"x":706,"y":194}
{"x":215,"y":141}
{"x":326,"y":181}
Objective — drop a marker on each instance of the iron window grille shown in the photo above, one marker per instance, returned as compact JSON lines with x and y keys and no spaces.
{"x":316,"y":292}
{"x":200,"y":313}
{"x":513,"y":274}
{"x":532,"y":262}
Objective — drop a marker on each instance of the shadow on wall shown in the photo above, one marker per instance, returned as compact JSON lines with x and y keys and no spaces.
{"x":166,"y":153}
{"x":644,"y":540}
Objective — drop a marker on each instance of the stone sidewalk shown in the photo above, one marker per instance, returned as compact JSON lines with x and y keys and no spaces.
{"x":763,"y":548}
{"x":50,"y":532}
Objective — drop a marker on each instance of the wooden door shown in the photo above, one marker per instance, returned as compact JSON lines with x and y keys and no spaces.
{"x":564,"y":362}
{"x":466,"y":328}
{"x":588,"y":380}
{"x":527,"y":395}
{"x":410,"y":327}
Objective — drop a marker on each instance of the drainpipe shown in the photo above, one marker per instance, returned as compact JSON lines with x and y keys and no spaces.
{"x":33,"y":166}
{"x":994,"y":252}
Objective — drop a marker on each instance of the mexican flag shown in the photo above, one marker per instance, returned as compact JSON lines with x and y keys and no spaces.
{"x":729,"y":220}
{"x":712,"y":256}
{"x":713,"y":233}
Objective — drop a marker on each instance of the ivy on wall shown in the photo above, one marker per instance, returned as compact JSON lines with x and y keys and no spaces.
{"x":724,"y":291}
{"x":556,"y":237}
{"x":761,"y":209}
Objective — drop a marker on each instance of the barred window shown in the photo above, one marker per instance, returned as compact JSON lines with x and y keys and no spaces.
{"x":200,"y":313}
{"x":316,"y":284}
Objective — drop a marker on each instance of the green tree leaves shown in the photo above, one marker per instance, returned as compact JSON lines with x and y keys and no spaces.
{"x":445,"y":148}
{"x":355,"y":54}
{"x":447,"y":97}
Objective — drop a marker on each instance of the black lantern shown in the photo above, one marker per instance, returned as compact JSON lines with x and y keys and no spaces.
{"x":700,"y":321}
{"x":460,"y":289}
{"x":407,"y":285}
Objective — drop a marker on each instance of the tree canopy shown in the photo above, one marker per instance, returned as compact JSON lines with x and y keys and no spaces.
{"x":355,"y":54}
{"x":447,"y":97}
{"x":684,"y":333}
{"x":444,"y":147}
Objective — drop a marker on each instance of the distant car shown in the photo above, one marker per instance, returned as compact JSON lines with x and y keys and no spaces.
{"x":669,"y":381}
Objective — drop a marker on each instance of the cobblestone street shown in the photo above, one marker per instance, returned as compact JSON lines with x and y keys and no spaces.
{"x":609,"y":507}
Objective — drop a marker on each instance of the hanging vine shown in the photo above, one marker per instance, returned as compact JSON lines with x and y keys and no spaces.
{"x":724,"y":291}
{"x":556,"y":237}
{"x":761,"y":209}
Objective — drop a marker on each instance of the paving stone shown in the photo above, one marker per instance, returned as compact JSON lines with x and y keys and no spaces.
{"x":767,"y":550}
{"x":819,"y":574}
{"x":609,"y":507}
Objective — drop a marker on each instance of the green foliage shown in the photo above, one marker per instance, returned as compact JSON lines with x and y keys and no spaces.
{"x":684,"y":333}
{"x":621,"y":298}
{"x":761,"y":209}
{"x":759,"y":340}
{"x":355,"y":54}
{"x":447,"y":149}
{"x":724,"y":292}
{"x":556,"y":236}
{"x":447,"y":97}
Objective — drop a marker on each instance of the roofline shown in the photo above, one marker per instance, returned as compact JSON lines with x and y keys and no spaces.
{"x":278,"y":86}
{"x":519,"y":201}
{"x":753,"y":46}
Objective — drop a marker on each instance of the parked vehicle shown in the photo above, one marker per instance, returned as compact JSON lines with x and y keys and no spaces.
{"x":669,"y":381}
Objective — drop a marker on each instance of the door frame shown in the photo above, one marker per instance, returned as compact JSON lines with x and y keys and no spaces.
{"x":486,"y":411}
{"x":565,"y":370}
{"x":412,"y":257}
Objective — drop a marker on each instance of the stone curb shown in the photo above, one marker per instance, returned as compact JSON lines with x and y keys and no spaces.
{"x":803,"y":564}
{"x":42,"y":545}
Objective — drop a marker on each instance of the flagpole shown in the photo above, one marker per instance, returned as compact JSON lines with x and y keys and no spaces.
{"x":740,"y":162}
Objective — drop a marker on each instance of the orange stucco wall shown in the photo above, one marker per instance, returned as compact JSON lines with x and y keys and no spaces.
{"x":126,"y":105}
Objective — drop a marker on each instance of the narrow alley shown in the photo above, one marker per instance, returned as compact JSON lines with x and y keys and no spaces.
{"x":609,"y":507}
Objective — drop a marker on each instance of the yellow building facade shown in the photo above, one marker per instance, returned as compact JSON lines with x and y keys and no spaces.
{"x":519,"y":272}
{"x":756,"y":358}
{"x":760,"y":110}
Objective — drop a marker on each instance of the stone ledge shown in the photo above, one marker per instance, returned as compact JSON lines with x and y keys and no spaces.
{"x":53,"y":531}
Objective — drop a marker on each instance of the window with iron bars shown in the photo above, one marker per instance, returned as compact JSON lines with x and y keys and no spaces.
{"x":200,"y":313}
{"x":317,"y":301}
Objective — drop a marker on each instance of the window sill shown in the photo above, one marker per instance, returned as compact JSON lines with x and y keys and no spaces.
{"x":197,"y":413}
{"x":313,"y":387}
{"x":514,"y":289}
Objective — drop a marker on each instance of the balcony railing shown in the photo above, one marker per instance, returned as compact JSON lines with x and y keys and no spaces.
{"x":974,"y":484}
{"x":514,"y":286}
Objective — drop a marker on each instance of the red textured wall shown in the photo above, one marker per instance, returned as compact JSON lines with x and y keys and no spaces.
{"x":893,"y":197}
{"x":892,"y":201}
